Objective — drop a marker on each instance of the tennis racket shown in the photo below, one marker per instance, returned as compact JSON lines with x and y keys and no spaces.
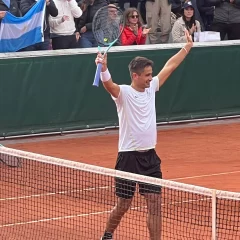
{"x":107,"y":27}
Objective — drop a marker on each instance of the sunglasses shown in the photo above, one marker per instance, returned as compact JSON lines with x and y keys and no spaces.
{"x":134,"y":16}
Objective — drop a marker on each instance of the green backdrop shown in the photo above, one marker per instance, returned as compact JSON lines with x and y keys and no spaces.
{"x":55,"y":93}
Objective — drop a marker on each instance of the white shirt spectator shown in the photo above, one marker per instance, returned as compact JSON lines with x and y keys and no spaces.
{"x":64,"y":23}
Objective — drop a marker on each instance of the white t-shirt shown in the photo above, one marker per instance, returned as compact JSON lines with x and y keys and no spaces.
{"x":137,"y":117}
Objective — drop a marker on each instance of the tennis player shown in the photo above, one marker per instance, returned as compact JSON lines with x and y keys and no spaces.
{"x":138,"y":135}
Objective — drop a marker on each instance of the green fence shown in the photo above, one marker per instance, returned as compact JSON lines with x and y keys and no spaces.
{"x":54,"y":92}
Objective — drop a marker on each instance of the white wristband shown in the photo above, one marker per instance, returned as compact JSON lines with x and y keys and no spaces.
{"x":105,"y":76}
{"x":185,"y":50}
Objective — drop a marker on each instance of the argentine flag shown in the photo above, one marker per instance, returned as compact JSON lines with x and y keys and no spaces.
{"x":7,"y":3}
{"x":20,"y":32}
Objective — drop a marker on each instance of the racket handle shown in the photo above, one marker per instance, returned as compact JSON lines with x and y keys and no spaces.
{"x":97,"y":75}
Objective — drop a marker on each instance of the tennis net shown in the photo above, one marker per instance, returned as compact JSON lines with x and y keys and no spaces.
{"x":42,"y":197}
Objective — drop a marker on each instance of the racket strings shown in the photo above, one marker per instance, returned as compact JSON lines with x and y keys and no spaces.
{"x":107,"y":25}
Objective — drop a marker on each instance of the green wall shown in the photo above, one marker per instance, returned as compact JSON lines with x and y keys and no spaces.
{"x":55,"y":93}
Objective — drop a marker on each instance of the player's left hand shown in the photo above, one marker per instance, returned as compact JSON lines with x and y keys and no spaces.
{"x":189,"y":39}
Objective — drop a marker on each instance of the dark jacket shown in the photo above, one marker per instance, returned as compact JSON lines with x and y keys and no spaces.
{"x":227,"y":12}
{"x":169,"y":1}
{"x":206,"y":10}
{"x":87,"y":16}
{"x":205,"y":7}
{"x":13,"y":9}
{"x":51,"y":9}
{"x":237,"y":3}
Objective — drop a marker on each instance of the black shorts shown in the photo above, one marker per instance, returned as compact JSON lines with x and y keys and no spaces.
{"x":144,"y":163}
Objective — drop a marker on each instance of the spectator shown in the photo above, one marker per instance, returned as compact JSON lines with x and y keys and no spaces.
{"x":107,"y":28}
{"x":187,"y":21}
{"x":196,"y":12}
{"x":143,"y":10}
{"x":113,"y":25}
{"x":206,"y":10}
{"x":227,"y":19}
{"x":158,"y":13}
{"x":133,"y":3}
{"x":84,"y":23}
{"x":13,"y":9}
{"x":62,"y":27}
{"x":133,"y":32}
{"x":177,"y":7}
{"x":51,"y":9}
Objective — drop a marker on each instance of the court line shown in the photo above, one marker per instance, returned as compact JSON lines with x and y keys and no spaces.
{"x":92,"y":213}
{"x":205,"y":175}
{"x":52,"y":193}
{"x":106,"y":187}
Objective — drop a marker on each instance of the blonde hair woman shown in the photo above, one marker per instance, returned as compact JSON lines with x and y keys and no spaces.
{"x":133,"y":33}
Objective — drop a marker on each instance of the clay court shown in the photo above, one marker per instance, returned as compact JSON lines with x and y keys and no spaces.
{"x":205,"y":154}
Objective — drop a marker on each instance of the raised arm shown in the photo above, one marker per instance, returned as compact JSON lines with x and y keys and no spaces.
{"x":106,"y":78}
{"x":51,"y":8}
{"x":75,"y":9}
{"x":175,"y":61}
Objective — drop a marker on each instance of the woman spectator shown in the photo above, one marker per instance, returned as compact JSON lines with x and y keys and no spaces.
{"x":133,"y":33}
{"x":187,"y":21}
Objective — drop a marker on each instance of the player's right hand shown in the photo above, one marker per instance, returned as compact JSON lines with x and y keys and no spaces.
{"x":189,"y":43}
{"x":103,"y":60}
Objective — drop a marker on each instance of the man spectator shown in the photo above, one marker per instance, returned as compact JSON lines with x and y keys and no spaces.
{"x":158,"y":17}
{"x":133,"y":3}
{"x":177,"y":8}
{"x":84,"y":23}
{"x":51,"y":9}
{"x":12,"y":8}
{"x":227,"y":19}
{"x":62,"y":27}
{"x":206,"y":9}
{"x":142,"y":9}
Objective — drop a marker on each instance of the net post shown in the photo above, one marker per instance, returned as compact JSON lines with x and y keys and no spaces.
{"x":214,"y":215}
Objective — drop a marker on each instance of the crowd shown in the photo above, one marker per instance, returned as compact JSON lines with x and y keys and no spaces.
{"x":68,"y":23}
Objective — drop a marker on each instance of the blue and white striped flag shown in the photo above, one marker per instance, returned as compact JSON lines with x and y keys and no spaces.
{"x":7,"y":3}
{"x":20,"y":32}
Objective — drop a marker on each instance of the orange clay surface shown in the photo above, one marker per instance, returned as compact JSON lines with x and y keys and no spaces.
{"x":206,"y":156}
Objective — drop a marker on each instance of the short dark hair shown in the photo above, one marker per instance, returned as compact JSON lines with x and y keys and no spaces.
{"x":138,"y":64}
